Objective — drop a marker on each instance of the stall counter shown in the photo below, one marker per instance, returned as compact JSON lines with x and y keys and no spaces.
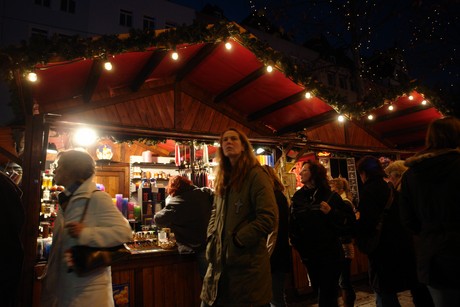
{"x":160,"y":278}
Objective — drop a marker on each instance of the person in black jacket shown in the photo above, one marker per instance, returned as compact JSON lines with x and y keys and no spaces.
{"x":280,"y":259}
{"x":187,"y":212}
{"x":430,"y":208}
{"x":391,"y":264}
{"x":13,"y":254}
{"x":340,"y":185}
{"x":318,"y":216}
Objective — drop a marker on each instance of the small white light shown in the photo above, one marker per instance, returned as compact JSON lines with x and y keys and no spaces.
{"x":269,"y":68}
{"x":32,"y":77}
{"x":228,"y":46}
{"x":391,"y":108}
{"x":85,"y":137}
{"x":175,"y":56}
{"x":424,"y":102}
{"x":108,"y":66}
{"x":411,"y":97}
{"x":341,"y":118}
{"x":259,"y":150}
{"x":370,"y":117}
{"x":308,"y":95}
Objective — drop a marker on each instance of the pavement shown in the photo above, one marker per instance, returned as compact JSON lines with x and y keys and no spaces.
{"x":364,"y":298}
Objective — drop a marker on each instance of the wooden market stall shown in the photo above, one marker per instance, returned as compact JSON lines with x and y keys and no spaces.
{"x":219,"y":80}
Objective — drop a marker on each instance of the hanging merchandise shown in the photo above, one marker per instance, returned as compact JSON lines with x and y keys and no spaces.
{"x":205,"y":154}
{"x":177,"y":154}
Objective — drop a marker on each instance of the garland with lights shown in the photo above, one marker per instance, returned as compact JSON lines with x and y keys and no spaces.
{"x":41,"y":50}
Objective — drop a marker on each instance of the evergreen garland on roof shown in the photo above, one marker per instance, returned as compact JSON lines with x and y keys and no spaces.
{"x":41,"y":50}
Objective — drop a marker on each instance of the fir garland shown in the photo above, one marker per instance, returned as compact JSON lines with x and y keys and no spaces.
{"x":41,"y":50}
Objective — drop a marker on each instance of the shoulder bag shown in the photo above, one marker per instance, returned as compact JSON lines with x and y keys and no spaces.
{"x":86,"y":259}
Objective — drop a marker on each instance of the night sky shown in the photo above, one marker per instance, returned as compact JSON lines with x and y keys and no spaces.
{"x":426,"y":31}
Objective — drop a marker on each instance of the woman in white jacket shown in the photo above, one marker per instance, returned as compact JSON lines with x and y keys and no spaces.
{"x":103,"y":226}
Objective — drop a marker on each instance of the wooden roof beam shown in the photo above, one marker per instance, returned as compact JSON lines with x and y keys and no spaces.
{"x":312,"y":122}
{"x":77,"y":108}
{"x":93,"y":79}
{"x":199,"y":57}
{"x":10,"y":156}
{"x":205,"y":98}
{"x":401,"y":113}
{"x":404,"y":131}
{"x":240,"y":84}
{"x":374,"y":134}
{"x":152,"y":63}
{"x":277,"y":105}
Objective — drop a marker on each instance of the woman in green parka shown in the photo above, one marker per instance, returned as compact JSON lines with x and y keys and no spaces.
{"x":244,"y":213}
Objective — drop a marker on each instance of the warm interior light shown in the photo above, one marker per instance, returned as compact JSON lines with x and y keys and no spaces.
{"x":308,"y":95}
{"x":52,"y":149}
{"x":259,"y":150}
{"x":424,"y":102}
{"x":269,"y":68}
{"x":84,"y":137}
{"x":341,"y":118}
{"x":228,"y":46}
{"x":390,"y":107}
{"x":108,"y":66}
{"x":411,"y":97}
{"x":32,"y":77}
{"x":370,"y":117}
{"x":175,"y":56}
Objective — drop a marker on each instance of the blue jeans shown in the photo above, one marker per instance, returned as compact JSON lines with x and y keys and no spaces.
{"x":445,"y":297}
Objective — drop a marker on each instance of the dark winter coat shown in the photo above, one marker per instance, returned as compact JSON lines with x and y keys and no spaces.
{"x":430,"y":207}
{"x":392,"y":264}
{"x":187,"y":213}
{"x":315,"y":234}
{"x":12,"y":255}
{"x":281,"y":257}
{"x":239,"y":265}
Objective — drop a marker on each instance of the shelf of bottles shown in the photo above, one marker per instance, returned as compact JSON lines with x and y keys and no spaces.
{"x":48,"y":212}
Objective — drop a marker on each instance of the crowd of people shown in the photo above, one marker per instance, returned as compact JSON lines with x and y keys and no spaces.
{"x":406,"y":221}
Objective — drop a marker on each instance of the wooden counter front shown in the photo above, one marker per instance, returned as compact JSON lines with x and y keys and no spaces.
{"x":153,"y":279}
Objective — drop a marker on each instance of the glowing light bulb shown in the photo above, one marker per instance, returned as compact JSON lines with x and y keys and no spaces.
{"x":32,"y":77}
{"x":175,"y":56}
{"x":411,"y":97}
{"x":308,"y":95}
{"x":85,"y":137}
{"x":424,"y":102}
{"x":341,"y":118}
{"x":269,"y":68}
{"x":370,"y":117}
{"x":108,"y":66}
{"x":228,"y":46}
{"x":391,"y":108}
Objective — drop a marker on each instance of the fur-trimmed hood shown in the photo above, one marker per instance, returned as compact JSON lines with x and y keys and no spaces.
{"x":426,"y":155}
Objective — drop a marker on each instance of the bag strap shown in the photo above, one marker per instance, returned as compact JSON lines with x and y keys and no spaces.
{"x":390,"y":199}
{"x":86,"y":207}
{"x":387,"y":206}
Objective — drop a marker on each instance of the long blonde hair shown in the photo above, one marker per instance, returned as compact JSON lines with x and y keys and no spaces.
{"x":233,"y":177}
